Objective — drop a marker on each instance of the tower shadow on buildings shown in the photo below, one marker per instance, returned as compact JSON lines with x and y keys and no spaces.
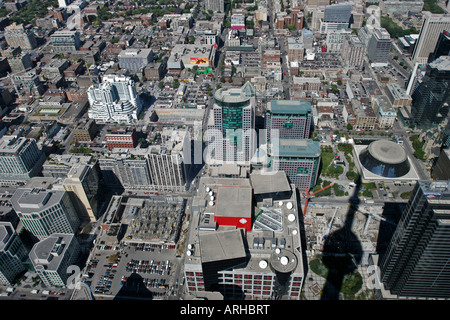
{"x":342,"y":251}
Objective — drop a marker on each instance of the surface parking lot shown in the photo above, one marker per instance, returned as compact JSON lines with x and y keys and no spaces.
{"x":110,"y":267}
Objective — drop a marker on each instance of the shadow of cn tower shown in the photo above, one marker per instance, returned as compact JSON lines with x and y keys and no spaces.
{"x":342,"y":251}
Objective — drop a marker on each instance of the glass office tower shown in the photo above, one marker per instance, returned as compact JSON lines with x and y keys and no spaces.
{"x":234,"y":118}
{"x":442,"y":46}
{"x":417,"y":261}
{"x":430,"y":101}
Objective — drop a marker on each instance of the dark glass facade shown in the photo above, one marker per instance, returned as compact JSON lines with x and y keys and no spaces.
{"x":416,"y":262}
{"x":442,"y":47}
{"x":431,"y":98}
{"x":388,"y":170}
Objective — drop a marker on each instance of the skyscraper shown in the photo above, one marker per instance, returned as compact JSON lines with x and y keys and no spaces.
{"x":442,"y":46}
{"x":114,"y":100}
{"x":433,"y":25}
{"x":231,"y":128}
{"x":353,"y":52}
{"x":431,"y":98}
{"x":416,"y":262}
{"x":167,"y":171}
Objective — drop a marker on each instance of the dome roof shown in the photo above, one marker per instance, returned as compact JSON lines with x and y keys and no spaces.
{"x":387,"y":151}
{"x":385,"y":158}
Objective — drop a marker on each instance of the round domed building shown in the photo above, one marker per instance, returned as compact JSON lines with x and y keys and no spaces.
{"x":384,"y":160}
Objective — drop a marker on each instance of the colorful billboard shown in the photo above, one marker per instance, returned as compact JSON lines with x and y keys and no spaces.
{"x":200,"y":61}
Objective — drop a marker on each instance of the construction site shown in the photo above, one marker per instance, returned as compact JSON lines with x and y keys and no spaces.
{"x":322,"y":219}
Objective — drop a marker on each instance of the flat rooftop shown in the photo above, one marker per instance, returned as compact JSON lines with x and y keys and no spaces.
{"x":442,"y":63}
{"x":222,"y":245}
{"x":50,"y":251}
{"x":269,"y":183}
{"x":12,"y":144}
{"x":234,"y":202}
{"x":296,"y":148}
{"x":27,"y":200}
{"x":289,"y":107}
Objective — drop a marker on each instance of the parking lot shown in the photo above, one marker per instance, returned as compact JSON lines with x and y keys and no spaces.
{"x":108,"y":271}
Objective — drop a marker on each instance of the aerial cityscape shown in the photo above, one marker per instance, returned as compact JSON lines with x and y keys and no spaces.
{"x":251,"y":150}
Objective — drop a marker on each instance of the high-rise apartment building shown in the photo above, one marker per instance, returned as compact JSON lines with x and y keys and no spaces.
{"x":52,"y":256}
{"x":114,"y":100}
{"x":430,"y":100}
{"x":44,"y":212}
{"x":215,"y":5}
{"x":18,"y":36}
{"x":415,"y":264}
{"x":169,"y":162}
{"x":433,"y":25}
{"x":13,"y":253}
{"x":292,"y":119}
{"x":231,"y":126}
{"x":20,"y":159}
{"x":379,"y":46}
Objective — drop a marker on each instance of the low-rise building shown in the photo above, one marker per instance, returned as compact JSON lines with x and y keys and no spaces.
{"x":85,"y":131}
{"x":121,"y":137}
{"x":384,"y":111}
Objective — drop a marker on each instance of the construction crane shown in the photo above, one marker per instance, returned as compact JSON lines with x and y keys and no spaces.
{"x":308,"y":195}
{"x":370,"y":215}
{"x":330,"y":225}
